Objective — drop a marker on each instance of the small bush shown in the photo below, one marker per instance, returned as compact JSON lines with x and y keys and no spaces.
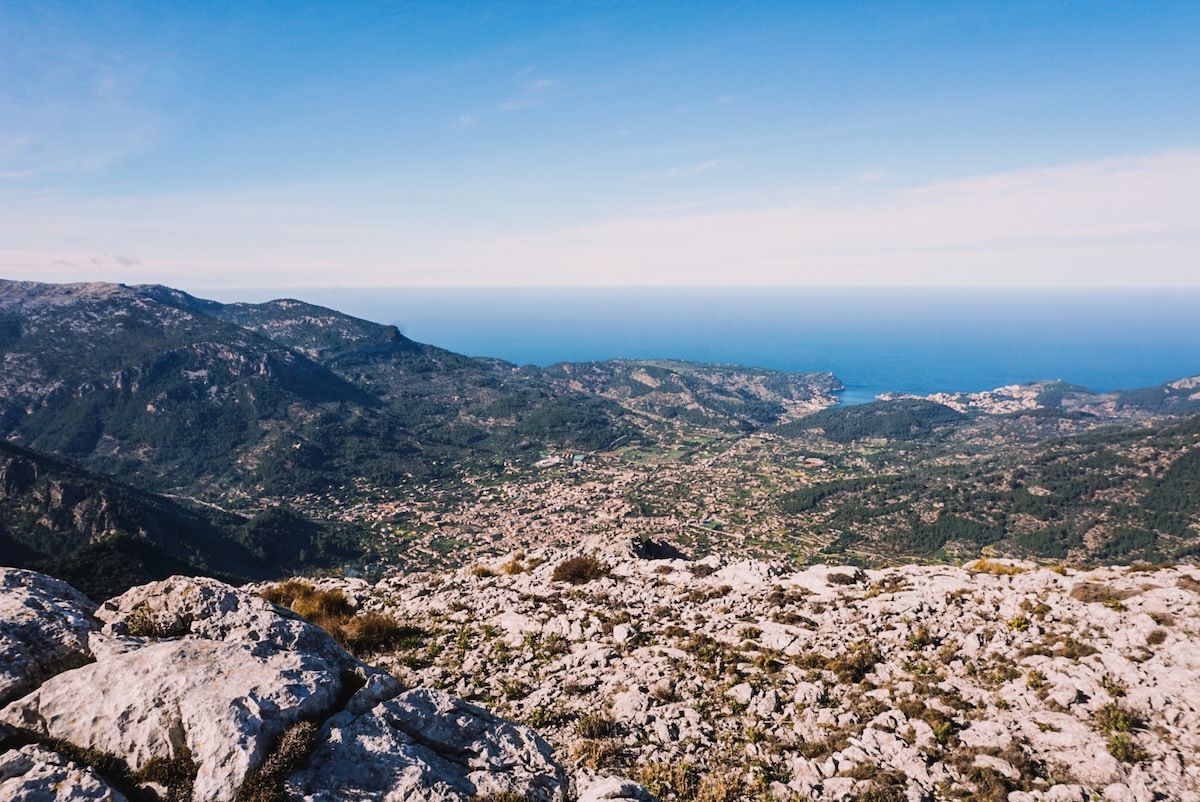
{"x":287,"y":592}
{"x":323,"y":603}
{"x":1114,"y":718}
{"x":1156,"y":637}
{"x":371,"y":633}
{"x":854,"y":666}
{"x":482,"y":572}
{"x":721,"y":788}
{"x":1124,"y":748}
{"x":852,"y":578}
{"x":1114,"y":686}
{"x":579,"y":570}
{"x":176,"y":774}
{"x":1097,"y":593}
{"x":1073,"y":649}
{"x":361,"y":634}
{"x":665,"y":779}
{"x":143,"y":622}
{"x":596,"y":755}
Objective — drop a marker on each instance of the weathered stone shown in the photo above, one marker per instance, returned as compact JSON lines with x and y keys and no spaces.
{"x":223,"y":701}
{"x":593,"y":788}
{"x":427,"y":745}
{"x":44,"y":627}
{"x":210,"y":609}
{"x":991,"y":734}
{"x":36,"y":774}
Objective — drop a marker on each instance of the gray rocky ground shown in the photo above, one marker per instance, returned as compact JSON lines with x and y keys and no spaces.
{"x":692,"y":680}
{"x":719,"y":679}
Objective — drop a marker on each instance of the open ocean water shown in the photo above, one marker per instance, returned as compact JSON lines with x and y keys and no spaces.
{"x":874,"y":339}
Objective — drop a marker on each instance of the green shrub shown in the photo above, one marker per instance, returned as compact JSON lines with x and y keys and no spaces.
{"x":1124,"y":748}
{"x":1114,"y":718}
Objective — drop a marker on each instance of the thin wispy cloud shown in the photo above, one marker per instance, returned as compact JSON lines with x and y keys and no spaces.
{"x":682,"y":171}
{"x":74,"y":109}
{"x":534,"y":92}
{"x":872,"y":176}
{"x":1124,"y":221}
{"x":1113,"y":222}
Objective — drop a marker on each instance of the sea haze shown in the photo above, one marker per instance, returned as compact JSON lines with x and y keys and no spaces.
{"x":874,"y":339}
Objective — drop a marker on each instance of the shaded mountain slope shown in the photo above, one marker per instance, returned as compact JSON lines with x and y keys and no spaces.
{"x":177,"y":393}
{"x":101,"y":534}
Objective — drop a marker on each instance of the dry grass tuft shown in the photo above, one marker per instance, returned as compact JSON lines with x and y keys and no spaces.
{"x":361,"y":634}
{"x":145,"y":623}
{"x":995,"y":567}
{"x":1099,"y":593}
{"x":596,"y":755}
{"x":579,"y":570}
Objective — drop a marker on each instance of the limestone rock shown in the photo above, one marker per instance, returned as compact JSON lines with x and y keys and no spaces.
{"x":223,"y":701}
{"x":593,"y":788}
{"x":210,"y":609}
{"x":427,"y":745}
{"x":44,"y":627}
{"x":36,"y":774}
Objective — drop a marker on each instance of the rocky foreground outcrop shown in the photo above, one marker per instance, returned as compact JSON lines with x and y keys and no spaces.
{"x":712,"y":680}
{"x":191,"y":689}
{"x":721,"y":680}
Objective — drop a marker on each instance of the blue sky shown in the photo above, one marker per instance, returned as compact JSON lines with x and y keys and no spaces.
{"x":555,"y":143}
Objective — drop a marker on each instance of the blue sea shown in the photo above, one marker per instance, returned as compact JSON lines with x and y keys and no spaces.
{"x":874,"y":339}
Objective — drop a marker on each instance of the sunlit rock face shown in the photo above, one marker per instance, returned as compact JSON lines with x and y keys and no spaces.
{"x":188,"y":688}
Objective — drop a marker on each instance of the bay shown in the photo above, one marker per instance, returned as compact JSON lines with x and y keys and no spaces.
{"x":913,"y":340}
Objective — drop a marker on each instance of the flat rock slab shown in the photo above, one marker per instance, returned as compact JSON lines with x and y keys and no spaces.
{"x":427,"y":745}
{"x":44,"y":626}
{"x":224,"y":701}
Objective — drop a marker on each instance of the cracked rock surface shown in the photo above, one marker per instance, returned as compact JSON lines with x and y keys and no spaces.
{"x":199,"y":689}
{"x":730,"y":679}
{"x":44,"y":628}
{"x":35,"y":774}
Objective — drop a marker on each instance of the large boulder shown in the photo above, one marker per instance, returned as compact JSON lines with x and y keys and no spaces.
{"x":223,"y":702}
{"x":203,"y":676}
{"x":206,"y":608}
{"x":427,"y":745}
{"x":44,"y":628}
